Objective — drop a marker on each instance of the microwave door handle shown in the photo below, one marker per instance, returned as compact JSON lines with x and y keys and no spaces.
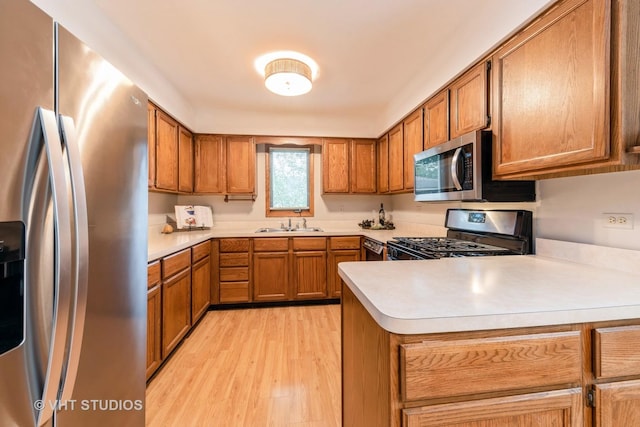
{"x":454,"y":169}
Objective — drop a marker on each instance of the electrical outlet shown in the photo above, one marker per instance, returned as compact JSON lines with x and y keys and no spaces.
{"x":621,"y":221}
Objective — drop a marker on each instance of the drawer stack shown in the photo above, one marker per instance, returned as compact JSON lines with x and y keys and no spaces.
{"x":234,"y":270}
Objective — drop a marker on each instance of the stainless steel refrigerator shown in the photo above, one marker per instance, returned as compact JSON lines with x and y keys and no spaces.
{"x":73,"y":233}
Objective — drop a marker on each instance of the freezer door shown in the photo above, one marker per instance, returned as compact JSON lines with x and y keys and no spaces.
{"x":26,"y":82}
{"x":109,"y":116}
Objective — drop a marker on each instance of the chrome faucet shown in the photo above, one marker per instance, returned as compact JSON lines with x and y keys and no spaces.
{"x":304,"y":222}
{"x":289,"y":223}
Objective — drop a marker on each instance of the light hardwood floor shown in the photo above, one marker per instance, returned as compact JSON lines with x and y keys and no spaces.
{"x":253,"y":367}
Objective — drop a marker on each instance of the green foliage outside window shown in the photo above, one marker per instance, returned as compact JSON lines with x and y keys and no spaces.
{"x":289,"y":178}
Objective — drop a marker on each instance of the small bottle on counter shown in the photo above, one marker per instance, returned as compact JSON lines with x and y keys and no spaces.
{"x":381,"y":214}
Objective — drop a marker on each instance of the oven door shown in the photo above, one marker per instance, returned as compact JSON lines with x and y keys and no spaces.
{"x":373,"y":250}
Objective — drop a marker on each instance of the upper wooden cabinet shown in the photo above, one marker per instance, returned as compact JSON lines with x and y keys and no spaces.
{"x":469,"y":101}
{"x":565,"y":91}
{"x":383,"y":164}
{"x":348,"y":165}
{"x":185,"y":161}
{"x":209,"y":164}
{"x":166,"y":152}
{"x":240,"y":165}
{"x":412,"y":145}
{"x":396,"y":159}
{"x":436,"y":120}
{"x":151,"y":143}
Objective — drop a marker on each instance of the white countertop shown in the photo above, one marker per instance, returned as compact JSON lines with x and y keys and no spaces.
{"x":464,"y":294}
{"x":160,"y":245}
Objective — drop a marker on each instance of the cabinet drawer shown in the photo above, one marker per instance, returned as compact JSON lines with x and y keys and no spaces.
{"x":279,"y":244}
{"x":234,"y":292}
{"x":347,"y":242}
{"x":234,"y":260}
{"x":234,"y":245}
{"x":309,"y":243}
{"x":616,"y":351}
{"x":153,"y":274}
{"x":200,"y":251}
{"x":176,"y":262}
{"x":233,"y":274}
{"x":464,"y":367}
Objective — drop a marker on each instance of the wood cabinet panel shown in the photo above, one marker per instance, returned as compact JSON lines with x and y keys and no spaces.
{"x":396,"y":159}
{"x":166,"y":152}
{"x":234,"y":274}
{"x":336,"y":257}
{"x":454,"y":368}
{"x":551,"y":91}
{"x":383,"y":164}
{"x":617,"y":404}
{"x":209,"y":163}
{"x":335,"y":165}
{"x":234,"y":292}
{"x":176,"y":310}
{"x":234,"y":245}
{"x":562,"y":408}
{"x":270,"y":276}
{"x":154,"y":329}
{"x":617,"y":351}
{"x":240,"y":165}
{"x":469,"y":101}
{"x":413,"y":143}
{"x":436,"y":120}
{"x":235,"y":259}
{"x":362,"y":176}
{"x":200,"y":288}
{"x":344,"y":242}
{"x":270,"y":244}
{"x":173,"y":263}
{"x":310,"y":274}
{"x":153,"y":274}
{"x":309,"y":243}
{"x":185,"y":161}
{"x":151,"y":144}
{"x":200,"y":251}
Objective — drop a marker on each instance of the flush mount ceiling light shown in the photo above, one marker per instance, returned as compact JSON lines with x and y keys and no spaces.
{"x":287,"y":73}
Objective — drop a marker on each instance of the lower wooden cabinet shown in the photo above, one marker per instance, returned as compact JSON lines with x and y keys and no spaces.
{"x":309,"y":274}
{"x":200,"y":280}
{"x":617,"y":404}
{"x":561,"y":408}
{"x":154,"y":318}
{"x":341,"y":249}
{"x":176,"y":309}
{"x":270,"y":276}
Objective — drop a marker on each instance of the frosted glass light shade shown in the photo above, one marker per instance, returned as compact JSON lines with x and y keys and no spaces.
{"x":287,"y":77}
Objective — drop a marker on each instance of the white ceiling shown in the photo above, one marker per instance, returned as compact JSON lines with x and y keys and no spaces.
{"x":378,"y":59}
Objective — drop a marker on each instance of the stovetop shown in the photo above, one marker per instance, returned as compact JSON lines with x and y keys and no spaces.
{"x":447,"y":245}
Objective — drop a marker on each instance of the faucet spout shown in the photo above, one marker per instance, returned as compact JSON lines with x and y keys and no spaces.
{"x":289,"y":223}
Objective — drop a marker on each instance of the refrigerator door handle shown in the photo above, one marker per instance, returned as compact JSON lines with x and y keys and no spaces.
{"x":45,"y":132}
{"x":80,"y":254}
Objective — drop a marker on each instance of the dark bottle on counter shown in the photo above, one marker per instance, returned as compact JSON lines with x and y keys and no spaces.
{"x":381,"y":214}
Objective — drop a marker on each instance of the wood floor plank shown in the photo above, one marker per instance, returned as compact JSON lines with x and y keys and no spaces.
{"x":253,"y":367}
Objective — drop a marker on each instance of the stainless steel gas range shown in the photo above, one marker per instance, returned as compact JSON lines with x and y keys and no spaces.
{"x":470,"y":233}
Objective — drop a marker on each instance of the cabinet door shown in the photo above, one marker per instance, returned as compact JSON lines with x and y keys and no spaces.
{"x":335,"y":165}
{"x":200,"y":288}
{"x":436,"y":120}
{"x":241,"y":165}
{"x":151,"y":143}
{"x":310,"y":274}
{"x":185,"y":161}
{"x":336,"y":257}
{"x":154,"y":337}
{"x":176,"y":310}
{"x":412,"y":145}
{"x":209,"y":164}
{"x":551,"y":90}
{"x":363,"y":166}
{"x":469,"y":100}
{"x":271,"y":276}
{"x":562,"y":408}
{"x":617,"y":404}
{"x":166,"y":152}
{"x":383,"y":164}
{"x":396,"y":159}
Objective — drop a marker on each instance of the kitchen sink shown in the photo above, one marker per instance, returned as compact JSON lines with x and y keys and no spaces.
{"x":286,"y":230}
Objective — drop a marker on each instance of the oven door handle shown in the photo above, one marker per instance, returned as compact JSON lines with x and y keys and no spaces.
{"x":454,"y":169}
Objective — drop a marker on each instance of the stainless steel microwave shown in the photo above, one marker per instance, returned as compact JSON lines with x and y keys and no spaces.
{"x":461,"y":169}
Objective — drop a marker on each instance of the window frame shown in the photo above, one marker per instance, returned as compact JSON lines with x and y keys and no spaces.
{"x":280,"y":213}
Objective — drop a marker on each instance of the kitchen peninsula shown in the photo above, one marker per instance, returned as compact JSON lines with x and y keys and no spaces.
{"x":505,"y":339}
